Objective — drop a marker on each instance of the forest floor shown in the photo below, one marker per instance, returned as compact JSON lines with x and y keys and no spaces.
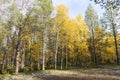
{"x":104,"y":73}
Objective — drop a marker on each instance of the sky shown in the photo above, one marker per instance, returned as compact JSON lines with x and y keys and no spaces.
{"x":78,"y":7}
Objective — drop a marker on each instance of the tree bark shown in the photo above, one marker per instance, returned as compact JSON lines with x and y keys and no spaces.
{"x":62,"y":58}
{"x":66,"y":58}
{"x":23,"y":58}
{"x":94,"y":49}
{"x":56,"y":51}
{"x":13,"y":59}
{"x":18,"y":50}
{"x":4,"y":59}
{"x":4,"y":63}
{"x":44,"y":48}
{"x":116,"y":46}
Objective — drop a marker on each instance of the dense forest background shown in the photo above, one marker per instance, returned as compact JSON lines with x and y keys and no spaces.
{"x":34,"y":35}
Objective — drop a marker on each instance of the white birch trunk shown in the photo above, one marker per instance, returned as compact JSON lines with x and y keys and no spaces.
{"x":56,"y":51}
{"x":44,"y":48}
{"x":23,"y":58}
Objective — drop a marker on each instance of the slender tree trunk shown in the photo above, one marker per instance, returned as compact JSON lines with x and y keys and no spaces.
{"x":13,"y":54}
{"x":66,"y":58}
{"x":38,"y":65}
{"x":91,"y":50}
{"x":44,"y":48}
{"x":38,"y":61}
{"x":56,"y":51}
{"x":43,"y":57}
{"x":4,"y":59}
{"x":62,"y":58}
{"x":23,"y":58}
{"x":4,"y":63}
{"x":94,"y":48}
{"x":13,"y":59}
{"x":18,"y":50}
{"x":17,"y":63}
{"x":116,"y":46}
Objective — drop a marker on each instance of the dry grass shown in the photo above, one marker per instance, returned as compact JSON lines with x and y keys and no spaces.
{"x":92,"y":74}
{"x":104,"y":73}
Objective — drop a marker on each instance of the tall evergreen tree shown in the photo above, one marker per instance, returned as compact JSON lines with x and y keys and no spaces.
{"x":91,"y":19}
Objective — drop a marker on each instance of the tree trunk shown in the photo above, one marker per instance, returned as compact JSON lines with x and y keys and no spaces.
{"x":4,"y":59}
{"x":4,"y":63}
{"x":62,"y":58}
{"x":66,"y":58}
{"x":23,"y":58}
{"x":94,"y":49}
{"x":44,"y":48}
{"x":116,"y":47}
{"x":13,"y":59}
{"x":18,"y":50}
{"x":17,"y":63}
{"x":38,"y":65}
{"x":56,"y":51}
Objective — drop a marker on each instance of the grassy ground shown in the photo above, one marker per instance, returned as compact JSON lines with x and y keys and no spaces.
{"x":103,"y":73}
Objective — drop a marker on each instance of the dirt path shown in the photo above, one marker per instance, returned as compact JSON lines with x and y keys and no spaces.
{"x":75,"y":78}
